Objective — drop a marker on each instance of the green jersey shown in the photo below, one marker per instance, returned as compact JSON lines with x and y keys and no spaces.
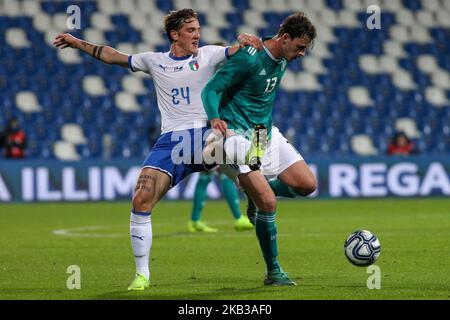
{"x":247,"y":82}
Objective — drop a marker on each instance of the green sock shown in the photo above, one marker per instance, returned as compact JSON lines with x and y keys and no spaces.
{"x":281,"y":189}
{"x":231,"y":194}
{"x":200,"y":196}
{"x":266,"y":231}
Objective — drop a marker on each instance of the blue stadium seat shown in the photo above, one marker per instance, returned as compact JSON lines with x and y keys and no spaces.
{"x":413,"y":5}
{"x":235,"y":19}
{"x":241,"y":5}
{"x":91,"y":150}
{"x":229,"y":34}
{"x":335,"y":4}
{"x":165,"y":5}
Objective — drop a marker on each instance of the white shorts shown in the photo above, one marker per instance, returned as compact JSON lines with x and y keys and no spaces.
{"x":279,"y":156}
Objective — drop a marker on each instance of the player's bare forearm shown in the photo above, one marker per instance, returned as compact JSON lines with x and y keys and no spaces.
{"x":103,"y":53}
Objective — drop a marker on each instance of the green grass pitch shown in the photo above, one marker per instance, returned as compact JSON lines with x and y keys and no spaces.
{"x":40,"y":241}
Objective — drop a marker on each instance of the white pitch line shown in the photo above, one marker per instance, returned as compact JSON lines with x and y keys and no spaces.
{"x":75,"y":232}
{"x":80,"y":233}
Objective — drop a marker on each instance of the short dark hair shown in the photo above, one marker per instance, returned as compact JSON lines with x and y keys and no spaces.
{"x":398,"y":135}
{"x":297,"y":25}
{"x":175,"y":20}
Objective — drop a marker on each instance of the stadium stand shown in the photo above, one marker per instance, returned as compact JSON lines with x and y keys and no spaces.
{"x":347,"y":96}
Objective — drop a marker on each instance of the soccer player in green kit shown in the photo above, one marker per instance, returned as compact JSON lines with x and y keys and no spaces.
{"x":241,"y":222}
{"x":247,"y":83}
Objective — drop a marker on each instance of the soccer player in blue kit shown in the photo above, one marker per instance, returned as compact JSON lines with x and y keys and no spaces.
{"x":179,"y":76}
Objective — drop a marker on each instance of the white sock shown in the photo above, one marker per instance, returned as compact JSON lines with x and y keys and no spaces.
{"x":141,"y":241}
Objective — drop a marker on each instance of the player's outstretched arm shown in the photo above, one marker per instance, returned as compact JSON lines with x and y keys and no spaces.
{"x":103,"y":53}
{"x":246,"y":39}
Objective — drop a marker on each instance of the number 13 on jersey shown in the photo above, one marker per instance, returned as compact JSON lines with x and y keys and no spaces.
{"x":271,"y":84}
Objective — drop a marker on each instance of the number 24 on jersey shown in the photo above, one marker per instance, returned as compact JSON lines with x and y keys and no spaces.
{"x":179,"y":94}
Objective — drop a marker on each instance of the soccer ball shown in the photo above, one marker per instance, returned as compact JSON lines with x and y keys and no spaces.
{"x":362,"y":248}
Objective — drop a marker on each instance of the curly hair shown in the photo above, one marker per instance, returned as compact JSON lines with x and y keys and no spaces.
{"x":297,"y":25}
{"x":175,"y":20}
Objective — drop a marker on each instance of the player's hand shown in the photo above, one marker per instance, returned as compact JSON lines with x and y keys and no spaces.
{"x":64,"y":40}
{"x":219,"y":125}
{"x":247,"y":39}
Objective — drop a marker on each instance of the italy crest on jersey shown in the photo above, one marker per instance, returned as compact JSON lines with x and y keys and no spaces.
{"x":194,"y":65}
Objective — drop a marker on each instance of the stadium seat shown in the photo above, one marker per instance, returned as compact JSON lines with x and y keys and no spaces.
{"x":101,"y":22}
{"x":30,"y":7}
{"x":441,"y":79}
{"x":403,"y":80}
{"x":94,"y":86}
{"x":133,"y":85}
{"x":436,"y":97}
{"x":73,"y":133}
{"x":408,"y":126}
{"x":363,"y":145}
{"x":65,"y":151}
{"x":360,"y":97}
{"x":313,"y":64}
{"x":369,"y":64}
{"x":254,"y":19}
{"x":27,"y":102}
{"x":127,"y":102}
{"x":16,"y":38}
{"x":443,"y":17}
{"x":307,"y":81}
